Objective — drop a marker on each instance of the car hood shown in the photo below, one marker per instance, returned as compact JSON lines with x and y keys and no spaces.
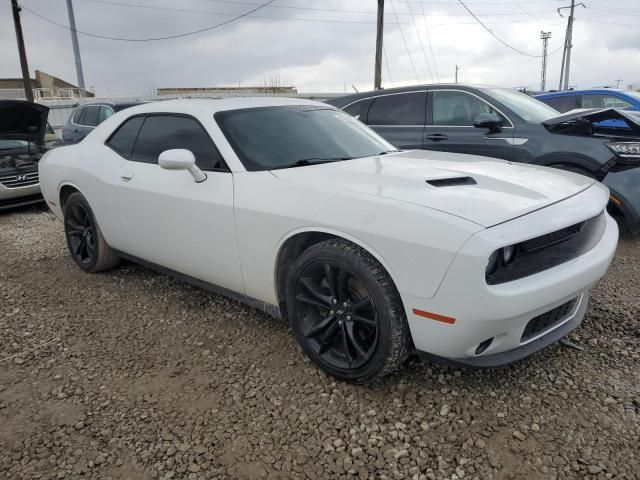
{"x":590,"y":116}
{"x":20,"y":120}
{"x":483,"y":190}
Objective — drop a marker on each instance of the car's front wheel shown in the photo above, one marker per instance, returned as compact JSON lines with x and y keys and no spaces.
{"x":346,"y":312}
{"x":87,"y":246}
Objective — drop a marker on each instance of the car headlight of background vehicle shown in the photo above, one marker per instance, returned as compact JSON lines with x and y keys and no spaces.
{"x":627,"y":153}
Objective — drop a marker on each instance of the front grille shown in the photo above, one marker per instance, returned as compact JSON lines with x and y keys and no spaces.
{"x":17,"y":180}
{"x":547,"y":251}
{"x":547,"y":320}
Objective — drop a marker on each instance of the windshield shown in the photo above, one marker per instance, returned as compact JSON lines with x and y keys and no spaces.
{"x":526,"y":107}
{"x":633,"y":94}
{"x":267,"y":138}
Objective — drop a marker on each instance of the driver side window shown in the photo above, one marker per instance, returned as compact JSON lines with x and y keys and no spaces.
{"x":458,"y":109}
{"x":143,"y":139}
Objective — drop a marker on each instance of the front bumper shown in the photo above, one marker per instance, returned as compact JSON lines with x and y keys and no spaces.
{"x":625,"y":189}
{"x":501,"y":312}
{"x":552,"y":335}
{"x":19,"y":196}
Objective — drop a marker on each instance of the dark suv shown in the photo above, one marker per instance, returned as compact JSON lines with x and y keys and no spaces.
{"x":88,"y":116}
{"x":503,"y":123}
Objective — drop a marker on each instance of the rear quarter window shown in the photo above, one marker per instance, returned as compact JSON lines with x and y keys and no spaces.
{"x":124,"y":138}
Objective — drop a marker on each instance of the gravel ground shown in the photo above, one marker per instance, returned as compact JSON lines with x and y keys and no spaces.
{"x":132,"y":375}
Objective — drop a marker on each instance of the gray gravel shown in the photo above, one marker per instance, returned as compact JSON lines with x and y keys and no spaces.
{"x":132,"y":375}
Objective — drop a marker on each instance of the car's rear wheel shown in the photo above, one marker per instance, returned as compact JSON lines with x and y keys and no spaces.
{"x":86,"y":244}
{"x":346,"y":312}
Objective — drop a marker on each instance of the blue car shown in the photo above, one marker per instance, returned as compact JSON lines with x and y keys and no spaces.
{"x":627,"y":100}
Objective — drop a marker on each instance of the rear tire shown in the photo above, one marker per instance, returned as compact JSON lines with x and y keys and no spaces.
{"x":346,"y":313}
{"x":87,"y":246}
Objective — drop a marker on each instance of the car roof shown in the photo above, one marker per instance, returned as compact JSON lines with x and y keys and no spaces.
{"x":212,"y":105}
{"x":343,"y":101}
{"x":579,"y":92}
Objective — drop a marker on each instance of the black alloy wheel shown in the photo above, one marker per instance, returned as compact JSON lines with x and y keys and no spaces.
{"x":87,"y":246}
{"x":346,"y":312}
{"x":340,"y":320}
{"x":81,"y":234}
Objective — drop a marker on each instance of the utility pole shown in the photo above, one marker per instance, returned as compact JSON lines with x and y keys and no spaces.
{"x":76,"y":47}
{"x":377,"y":76}
{"x":568,"y":44}
{"x":545,"y":36}
{"x":457,"y":68}
{"x":26,"y":80}
{"x":618,"y":82}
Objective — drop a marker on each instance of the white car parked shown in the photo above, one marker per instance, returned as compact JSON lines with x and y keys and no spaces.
{"x":307,"y":214}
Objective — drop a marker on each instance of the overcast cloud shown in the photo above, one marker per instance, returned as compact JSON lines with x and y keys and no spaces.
{"x":318,"y":51}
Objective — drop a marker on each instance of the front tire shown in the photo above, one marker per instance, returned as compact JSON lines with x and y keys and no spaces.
{"x":87,"y":246}
{"x":346,"y":312}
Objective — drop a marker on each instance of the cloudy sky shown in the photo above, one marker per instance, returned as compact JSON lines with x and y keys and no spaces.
{"x":322,"y":45}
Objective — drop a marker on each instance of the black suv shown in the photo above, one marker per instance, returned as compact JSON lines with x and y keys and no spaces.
{"x":503,"y":123}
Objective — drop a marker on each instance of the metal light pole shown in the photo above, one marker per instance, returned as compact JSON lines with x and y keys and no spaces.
{"x":568,"y":44}
{"x":76,"y":47}
{"x":457,"y":68}
{"x":545,"y":36}
{"x":26,"y":80}
{"x":377,"y":77}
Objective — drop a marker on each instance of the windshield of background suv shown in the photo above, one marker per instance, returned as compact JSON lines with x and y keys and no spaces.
{"x":266,"y":138}
{"x":526,"y":107}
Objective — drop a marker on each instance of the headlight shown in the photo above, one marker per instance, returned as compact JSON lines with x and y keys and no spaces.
{"x":628,"y":153}
{"x":503,"y":257}
{"x":492,"y":264}
{"x":509,"y":254}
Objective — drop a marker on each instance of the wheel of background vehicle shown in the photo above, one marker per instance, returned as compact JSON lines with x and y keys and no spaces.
{"x":84,"y":238}
{"x":346,"y":312}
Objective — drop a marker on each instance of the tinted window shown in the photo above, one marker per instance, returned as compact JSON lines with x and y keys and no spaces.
{"x":603,"y":101}
{"x":277,"y":137}
{"x":123,"y":139}
{"x":105,"y":112}
{"x":458,"y":108}
{"x":166,"y":132}
{"x":90,"y":117}
{"x":562,"y":104}
{"x":359,"y":110}
{"x":77,"y":115}
{"x":523,"y":105}
{"x":401,"y":109}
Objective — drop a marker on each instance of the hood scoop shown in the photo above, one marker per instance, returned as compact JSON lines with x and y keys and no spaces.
{"x":452,"y":182}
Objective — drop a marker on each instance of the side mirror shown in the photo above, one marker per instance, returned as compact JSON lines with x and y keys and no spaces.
{"x":488,"y":120}
{"x":181,"y":159}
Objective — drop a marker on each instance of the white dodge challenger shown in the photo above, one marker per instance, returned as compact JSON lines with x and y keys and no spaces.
{"x":302,"y":211}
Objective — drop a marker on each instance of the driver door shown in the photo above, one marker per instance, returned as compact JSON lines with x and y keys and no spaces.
{"x":168,"y":219}
{"x":451,"y":129}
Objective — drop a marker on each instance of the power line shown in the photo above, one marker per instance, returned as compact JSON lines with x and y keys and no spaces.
{"x":295,"y":7}
{"x":426,"y":27}
{"x":424,"y":54}
{"x":386,"y":61}
{"x":405,"y":43}
{"x":494,"y":35}
{"x":152,"y":39}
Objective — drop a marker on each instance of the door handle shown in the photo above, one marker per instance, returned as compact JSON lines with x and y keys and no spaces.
{"x":126,"y":175}
{"x":436,"y":137}
{"x":75,"y":130}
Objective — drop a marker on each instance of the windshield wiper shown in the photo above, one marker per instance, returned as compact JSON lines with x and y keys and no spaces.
{"x":387,"y":151}
{"x":304,"y":162}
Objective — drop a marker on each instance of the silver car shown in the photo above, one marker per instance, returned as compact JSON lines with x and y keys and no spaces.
{"x":23,"y":128}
